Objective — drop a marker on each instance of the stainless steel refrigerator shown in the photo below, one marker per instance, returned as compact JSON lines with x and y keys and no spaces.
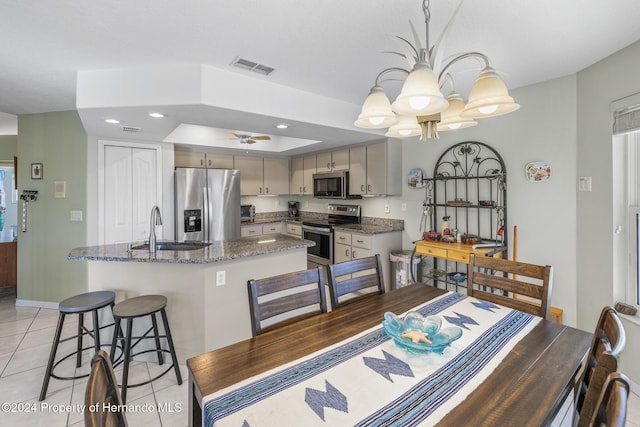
{"x":207,"y":204}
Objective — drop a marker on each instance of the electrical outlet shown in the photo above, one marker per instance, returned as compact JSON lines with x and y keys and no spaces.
{"x":277,"y":203}
{"x":221,"y":278}
{"x":387,"y":209}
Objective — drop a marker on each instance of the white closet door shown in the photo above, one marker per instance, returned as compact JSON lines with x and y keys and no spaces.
{"x":130,"y":190}
{"x":145,"y":186}
{"x":117,"y":194}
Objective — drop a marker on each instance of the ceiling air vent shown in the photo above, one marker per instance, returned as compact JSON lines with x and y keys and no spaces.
{"x":245,"y":64}
{"x":130,"y":129}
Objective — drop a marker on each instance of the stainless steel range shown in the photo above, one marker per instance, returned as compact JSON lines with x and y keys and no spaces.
{"x":321,"y":232}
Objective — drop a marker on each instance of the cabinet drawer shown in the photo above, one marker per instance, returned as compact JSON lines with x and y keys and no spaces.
{"x":250,"y":230}
{"x":458,"y":256}
{"x":357,"y":253}
{"x":343,"y":238}
{"x":272,"y":228}
{"x":361,"y":241}
{"x":294,"y":230}
{"x":435,"y":252}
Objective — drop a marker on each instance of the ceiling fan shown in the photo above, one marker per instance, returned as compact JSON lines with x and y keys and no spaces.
{"x":248,"y":139}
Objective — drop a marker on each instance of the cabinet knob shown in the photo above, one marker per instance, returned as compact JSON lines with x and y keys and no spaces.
{"x":304,"y":189}
{"x":329,"y":166}
{"x":353,"y":254}
{"x":369,"y":187}
{"x":360,"y":241}
{"x":346,"y":252}
{"x":201,"y":162}
{"x":267,"y":190}
{"x":333,"y":165}
{"x":301,"y":189}
{"x":260,"y":190}
{"x":209,"y":162}
{"x":362,"y":187}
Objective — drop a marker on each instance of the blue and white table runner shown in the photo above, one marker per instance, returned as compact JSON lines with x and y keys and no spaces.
{"x":368,"y":381}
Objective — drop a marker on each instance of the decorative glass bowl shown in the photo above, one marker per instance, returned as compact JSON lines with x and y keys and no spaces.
{"x":426,"y":327}
{"x":457,"y":276}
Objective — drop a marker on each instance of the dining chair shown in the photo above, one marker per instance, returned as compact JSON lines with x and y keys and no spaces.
{"x":286,"y":298}
{"x":102,"y":394}
{"x":612,"y":402}
{"x":529,"y":290}
{"x":592,"y":405}
{"x":356,"y":278}
{"x":609,"y":337}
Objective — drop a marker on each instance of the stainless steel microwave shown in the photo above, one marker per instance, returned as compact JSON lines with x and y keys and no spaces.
{"x":332,"y":185}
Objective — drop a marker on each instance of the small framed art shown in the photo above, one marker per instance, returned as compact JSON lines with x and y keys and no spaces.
{"x":36,"y":170}
{"x":537,"y":171}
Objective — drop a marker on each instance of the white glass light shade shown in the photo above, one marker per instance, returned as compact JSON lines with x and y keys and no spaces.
{"x":450,"y":118}
{"x":489,"y":97}
{"x":376,"y":111}
{"x":420,"y":93}
{"x":406,"y":127}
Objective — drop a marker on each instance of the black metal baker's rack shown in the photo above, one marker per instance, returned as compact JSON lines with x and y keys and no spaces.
{"x":470,"y":187}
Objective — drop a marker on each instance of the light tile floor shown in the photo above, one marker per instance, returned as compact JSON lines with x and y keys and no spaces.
{"x":25,"y":341}
{"x":26,"y":335}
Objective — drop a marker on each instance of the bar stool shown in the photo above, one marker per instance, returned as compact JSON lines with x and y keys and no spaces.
{"x":133,"y":308}
{"x":79,"y":304}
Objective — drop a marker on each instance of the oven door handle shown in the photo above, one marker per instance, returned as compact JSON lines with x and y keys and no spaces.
{"x":320,"y":230}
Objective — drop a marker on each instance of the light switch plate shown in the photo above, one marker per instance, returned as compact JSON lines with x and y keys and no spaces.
{"x":75,"y":216}
{"x":60,"y":189}
{"x":584,"y":183}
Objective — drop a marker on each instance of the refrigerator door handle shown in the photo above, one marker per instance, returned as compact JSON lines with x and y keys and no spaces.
{"x":205,"y":219}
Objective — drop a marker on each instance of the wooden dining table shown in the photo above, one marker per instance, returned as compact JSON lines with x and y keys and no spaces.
{"x":528,"y":387}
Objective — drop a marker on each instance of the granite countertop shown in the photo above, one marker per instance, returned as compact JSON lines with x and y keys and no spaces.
{"x":369,"y":225}
{"x":218,"y":251}
{"x":370,"y":228}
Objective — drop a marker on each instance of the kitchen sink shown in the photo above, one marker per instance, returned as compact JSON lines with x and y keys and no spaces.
{"x":173,"y":246}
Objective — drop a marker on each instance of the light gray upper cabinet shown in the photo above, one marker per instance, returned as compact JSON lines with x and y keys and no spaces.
{"x":376,"y":169}
{"x":262,"y":176}
{"x":333,"y":160}
{"x":187,"y":158}
{"x":302,"y":170}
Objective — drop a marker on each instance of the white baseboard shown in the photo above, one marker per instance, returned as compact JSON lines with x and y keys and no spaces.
{"x":38,"y":304}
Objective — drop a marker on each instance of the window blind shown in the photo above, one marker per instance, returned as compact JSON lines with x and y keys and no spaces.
{"x":627,"y":120}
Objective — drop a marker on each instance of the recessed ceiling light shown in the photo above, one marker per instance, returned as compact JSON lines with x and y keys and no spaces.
{"x":112,"y":121}
{"x":282,"y":125}
{"x":157,"y":115}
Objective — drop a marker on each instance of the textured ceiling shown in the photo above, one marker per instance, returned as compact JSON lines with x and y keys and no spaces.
{"x":328,"y":47}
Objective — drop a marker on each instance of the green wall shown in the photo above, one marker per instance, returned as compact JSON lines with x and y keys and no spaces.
{"x":58,"y":141}
{"x":8,"y":146}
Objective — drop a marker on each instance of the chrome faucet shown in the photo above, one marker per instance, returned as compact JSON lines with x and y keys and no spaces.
{"x":156,"y":219}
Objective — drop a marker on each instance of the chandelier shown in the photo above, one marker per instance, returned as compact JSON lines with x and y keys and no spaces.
{"x":421,"y":108}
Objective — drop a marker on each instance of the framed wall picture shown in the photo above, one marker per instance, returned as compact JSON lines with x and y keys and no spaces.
{"x":537,"y":171}
{"x":36,"y":170}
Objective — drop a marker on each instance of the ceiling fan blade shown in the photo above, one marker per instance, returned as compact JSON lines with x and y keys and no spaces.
{"x":227,"y":139}
{"x":250,"y":141}
{"x":234,"y":134}
{"x":261,"y":137}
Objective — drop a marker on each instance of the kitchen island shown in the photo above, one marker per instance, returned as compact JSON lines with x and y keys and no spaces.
{"x":206,"y":288}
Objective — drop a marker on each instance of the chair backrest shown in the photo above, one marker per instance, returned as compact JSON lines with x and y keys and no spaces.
{"x":486,"y":275}
{"x":598,"y":402}
{"x":290,"y":297}
{"x":612,"y":402}
{"x":609,"y":336}
{"x":101,"y":394}
{"x":351,"y":279}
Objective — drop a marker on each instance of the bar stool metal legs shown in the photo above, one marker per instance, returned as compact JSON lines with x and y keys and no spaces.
{"x":79,"y":304}
{"x":128,"y":310}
